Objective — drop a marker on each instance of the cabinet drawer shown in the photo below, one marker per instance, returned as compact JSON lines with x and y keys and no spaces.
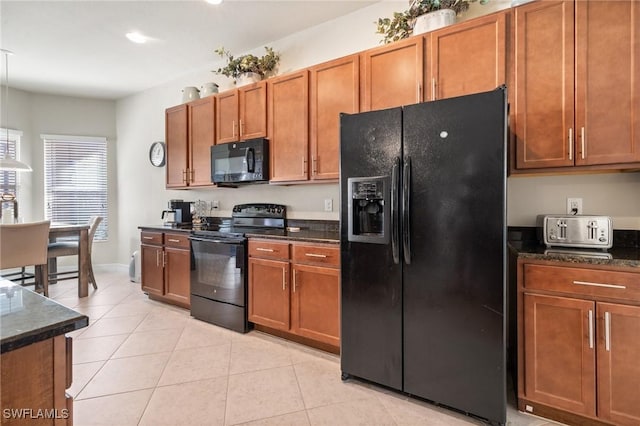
{"x":176,"y":240}
{"x":270,"y":249}
{"x":316,"y":254}
{"x":587,"y":282}
{"x":154,"y":238}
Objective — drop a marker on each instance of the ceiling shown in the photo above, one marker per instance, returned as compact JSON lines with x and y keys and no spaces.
{"x":79,"y":48}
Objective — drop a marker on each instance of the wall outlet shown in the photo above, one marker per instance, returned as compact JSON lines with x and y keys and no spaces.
{"x":215,"y":204}
{"x":574,"y":205}
{"x":328,"y":205}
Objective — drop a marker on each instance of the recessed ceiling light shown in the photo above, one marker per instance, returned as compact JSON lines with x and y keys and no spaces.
{"x":213,"y":1}
{"x":136,"y":37}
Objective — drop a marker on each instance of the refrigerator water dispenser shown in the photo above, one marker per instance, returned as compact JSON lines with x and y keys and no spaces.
{"x":369,"y":209}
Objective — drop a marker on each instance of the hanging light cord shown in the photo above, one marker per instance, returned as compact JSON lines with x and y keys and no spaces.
{"x":6,"y":54}
{"x":7,"y":197}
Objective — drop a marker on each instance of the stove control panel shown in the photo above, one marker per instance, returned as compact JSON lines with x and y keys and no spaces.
{"x":277,"y":211}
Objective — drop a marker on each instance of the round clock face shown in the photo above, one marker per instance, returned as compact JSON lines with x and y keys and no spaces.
{"x":157,"y":154}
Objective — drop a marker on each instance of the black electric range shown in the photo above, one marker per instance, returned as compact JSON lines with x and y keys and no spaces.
{"x":219,"y":278}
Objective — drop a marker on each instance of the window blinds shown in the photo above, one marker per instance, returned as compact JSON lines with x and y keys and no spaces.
{"x":76,"y":180}
{"x":9,"y":179}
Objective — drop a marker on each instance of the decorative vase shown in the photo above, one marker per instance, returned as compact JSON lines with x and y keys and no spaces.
{"x":190,"y":93}
{"x":434,"y":20}
{"x":208,"y":89}
{"x":247,"y":78}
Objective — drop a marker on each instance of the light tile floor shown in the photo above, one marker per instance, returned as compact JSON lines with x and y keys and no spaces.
{"x":142,"y":362}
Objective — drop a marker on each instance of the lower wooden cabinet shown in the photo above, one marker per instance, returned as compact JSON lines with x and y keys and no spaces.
{"x":34,"y":381}
{"x":618,"y":363}
{"x":299,"y":293}
{"x":315,"y":308}
{"x":560,"y":338}
{"x":579,"y":343}
{"x":269,"y":293}
{"x":166,"y":267}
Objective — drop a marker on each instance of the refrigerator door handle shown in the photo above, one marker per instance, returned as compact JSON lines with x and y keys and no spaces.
{"x":406,"y":205}
{"x":395,"y":185}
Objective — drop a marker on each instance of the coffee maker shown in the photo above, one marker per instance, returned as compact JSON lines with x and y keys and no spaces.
{"x":178,"y":213}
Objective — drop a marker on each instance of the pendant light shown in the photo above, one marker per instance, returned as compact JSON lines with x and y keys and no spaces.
{"x":9,"y":164}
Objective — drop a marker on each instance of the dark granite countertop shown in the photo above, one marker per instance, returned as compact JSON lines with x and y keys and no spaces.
{"x":314,"y":231}
{"x":625,"y":251}
{"x":161,"y":228}
{"x":27,"y":317}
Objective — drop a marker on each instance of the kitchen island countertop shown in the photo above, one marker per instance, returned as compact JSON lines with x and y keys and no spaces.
{"x":28,"y":317}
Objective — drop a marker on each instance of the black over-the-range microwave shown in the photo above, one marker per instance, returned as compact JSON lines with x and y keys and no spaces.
{"x":240,"y":162}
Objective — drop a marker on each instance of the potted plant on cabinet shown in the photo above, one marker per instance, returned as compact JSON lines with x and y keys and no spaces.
{"x":422,"y":16}
{"x":248,"y":68}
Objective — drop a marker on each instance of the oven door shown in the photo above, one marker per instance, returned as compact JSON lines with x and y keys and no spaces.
{"x":219,"y":271}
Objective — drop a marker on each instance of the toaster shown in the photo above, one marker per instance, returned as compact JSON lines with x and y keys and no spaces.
{"x":575,"y":231}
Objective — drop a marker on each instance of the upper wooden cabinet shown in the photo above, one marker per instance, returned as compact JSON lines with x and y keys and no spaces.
{"x":576,"y":88}
{"x":467,"y":58}
{"x":607,"y":82}
{"x":334,"y":89}
{"x":242,"y":113}
{"x":189,"y":133}
{"x":288,"y":110}
{"x":176,"y":137}
{"x":392,"y":75}
{"x":201,"y":138}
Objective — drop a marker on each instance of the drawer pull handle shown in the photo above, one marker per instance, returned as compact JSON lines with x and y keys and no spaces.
{"x":590,"y":329}
{"x":284,"y":280}
{"x":147,"y":238}
{"x":607,"y":331}
{"x":600,"y":285}
{"x":264,"y":249}
{"x":173,"y":240}
{"x":323,"y":256}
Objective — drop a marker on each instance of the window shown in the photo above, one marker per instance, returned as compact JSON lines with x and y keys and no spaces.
{"x":75,"y":169}
{"x":9,"y":181}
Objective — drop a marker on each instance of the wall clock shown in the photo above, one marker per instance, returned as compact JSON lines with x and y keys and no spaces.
{"x":158,"y":154}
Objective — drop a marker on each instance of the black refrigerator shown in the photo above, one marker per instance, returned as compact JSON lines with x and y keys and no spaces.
{"x":423,"y":250}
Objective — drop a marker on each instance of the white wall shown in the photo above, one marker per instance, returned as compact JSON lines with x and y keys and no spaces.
{"x":37,"y":114}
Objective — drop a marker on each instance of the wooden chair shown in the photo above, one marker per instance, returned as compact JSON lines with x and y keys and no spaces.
{"x":25,"y":244}
{"x":71,"y":248}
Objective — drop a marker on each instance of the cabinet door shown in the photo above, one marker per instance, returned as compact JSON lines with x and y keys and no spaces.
{"x":176,"y":137}
{"x":315,"y":303}
{"x":269,"y":293}
{"x":478,"y":45}
{"x":559,"y":352}
{"x":227,"y":117}
{"x":152,"y":270}
{"x":201,"y":138}
{"x":289,"y":126}
{"x":392,"y":75}
{"x":253,"y":110}
{"x":177,"y":275}
{"x":335,"y":88}
{"x":544,"y":84}
{"x":618,"y":366}
{"x":607,"y":82}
